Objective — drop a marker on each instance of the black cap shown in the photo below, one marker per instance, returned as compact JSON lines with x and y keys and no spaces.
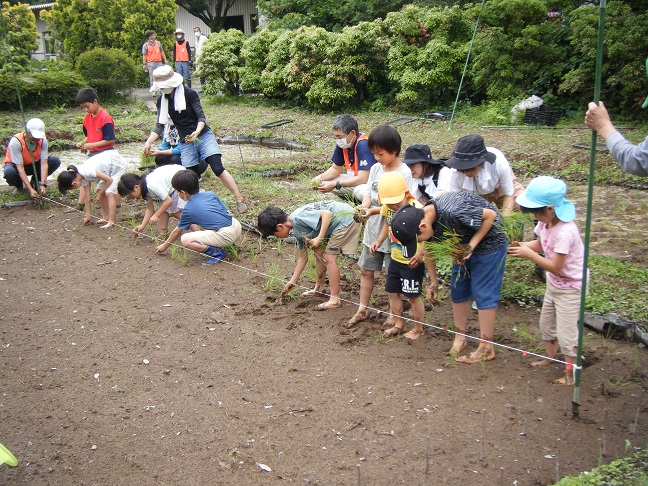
{"x":404,"y":224}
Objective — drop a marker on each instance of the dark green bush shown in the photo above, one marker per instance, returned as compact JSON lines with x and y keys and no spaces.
{"x":44,"y":89}
{"x":108,"y":71}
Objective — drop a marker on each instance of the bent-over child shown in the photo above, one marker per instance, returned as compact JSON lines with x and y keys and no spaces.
{"x":385,"y":143}
{"x":214,"y":227}
{"x":477,"y":272}
{"x":155,"y":185}
{"x":559,"y":239}
{"x":327,"y":228}
{"x":405,"y":272}
{"x":105,"y":168}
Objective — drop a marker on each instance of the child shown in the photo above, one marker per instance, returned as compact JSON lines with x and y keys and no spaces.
{"x":561,"y":243}
{"x":478,"y":273}
{"x":204,"y":209}
{"x":327,"y":227}
{"x":405,"y":273}
{"x":385,"y":143}
{"x":154,"y":185}
{"x":99,"y":131}
{"x":103,"y":169}
{"x":425,"y":171}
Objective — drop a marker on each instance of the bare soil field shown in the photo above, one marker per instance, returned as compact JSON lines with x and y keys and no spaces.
{"x":122,"y":366}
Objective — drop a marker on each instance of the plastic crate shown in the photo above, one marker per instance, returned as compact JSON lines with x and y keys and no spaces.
{"x":543,"y":115}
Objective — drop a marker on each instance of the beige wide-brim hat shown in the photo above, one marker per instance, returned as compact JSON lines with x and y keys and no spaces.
{"x":165,"y":77}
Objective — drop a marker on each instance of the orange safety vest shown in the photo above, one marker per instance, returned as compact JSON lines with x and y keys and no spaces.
{"x":181,"y":54}
{"x":153,"y":53}
{"x":345,"y":152}
{"x":27,"y":155}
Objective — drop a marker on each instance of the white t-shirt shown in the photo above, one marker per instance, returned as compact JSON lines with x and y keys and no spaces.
{"x":376,"y":222}
{"x":490,"y":177}
{"x":158,"y":182}
{"x":108,"y":162}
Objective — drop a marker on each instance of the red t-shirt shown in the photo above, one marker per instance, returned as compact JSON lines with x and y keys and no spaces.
{"x":98,"y":128}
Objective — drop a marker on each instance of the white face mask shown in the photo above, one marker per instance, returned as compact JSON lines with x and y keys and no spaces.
{"x":167,"y":90}
{"x":179,"y":37}
{"x":342,"y":143}
{"x":197,"y":34}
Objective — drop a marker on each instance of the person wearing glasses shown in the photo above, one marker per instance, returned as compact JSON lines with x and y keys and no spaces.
{"x":481,"y":170}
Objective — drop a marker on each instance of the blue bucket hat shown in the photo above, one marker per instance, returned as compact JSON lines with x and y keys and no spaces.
{"x":548,"y":191}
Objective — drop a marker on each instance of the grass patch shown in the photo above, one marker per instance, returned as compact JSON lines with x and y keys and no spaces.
{"x":629,"y":471}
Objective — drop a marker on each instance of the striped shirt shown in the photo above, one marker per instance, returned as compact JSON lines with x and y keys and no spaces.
{"x":461,"y":213}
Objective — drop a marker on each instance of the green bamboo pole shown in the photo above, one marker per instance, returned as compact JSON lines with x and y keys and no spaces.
{"x":588,"y":220}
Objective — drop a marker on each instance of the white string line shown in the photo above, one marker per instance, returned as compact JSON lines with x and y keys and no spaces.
{"x":379,"y":311}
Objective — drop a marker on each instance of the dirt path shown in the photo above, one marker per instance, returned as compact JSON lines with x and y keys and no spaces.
{"x":235,"y":381}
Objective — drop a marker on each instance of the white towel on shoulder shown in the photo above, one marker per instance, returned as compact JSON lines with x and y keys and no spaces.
{"x":179,"y":104}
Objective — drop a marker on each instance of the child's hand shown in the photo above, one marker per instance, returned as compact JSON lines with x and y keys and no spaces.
{"x":98,"y":196}
{"x":432,"y":293}
{"x":162,"y":248}
{"x":287,"y":288}
{"x":139,"y":229}
{"x":191,"y":137}
{"x":374,"y":247}
{"x":315,"y":242}
{"x":415,"y":261}
{"x":521,"y":251}
{"x":154,"y":219}
{"x":146,"y":150}
{"x":364,"y":213}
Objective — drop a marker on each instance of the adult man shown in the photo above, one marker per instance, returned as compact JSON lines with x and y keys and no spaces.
{"x":352,"y":153}
{"x":632,"y":158}
{"x":200,"y":42}
{"x":27,"y":156}
{"x":152,"y":55}
{"x":182,"y":56}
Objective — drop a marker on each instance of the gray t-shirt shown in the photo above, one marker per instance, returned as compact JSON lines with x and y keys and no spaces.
{"x":307,"y":221}
{"x":15,"y":150}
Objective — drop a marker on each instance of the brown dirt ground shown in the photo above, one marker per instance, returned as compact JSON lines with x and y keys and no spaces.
{"x":235,"y":379}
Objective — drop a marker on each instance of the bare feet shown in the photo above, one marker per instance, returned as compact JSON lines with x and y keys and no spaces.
{"x":482,"y":354}
{"x":565,"y":380}
{"x":393,"y":332}
{"x":541,"y":362}
{"x":328,"y":305}
{"x":361,"y":315}
{"x":102,"y":221}
{"x":414,"y":334}
{"x":107,"y":225}
{"x":312,"y":292}
{"x":390,"y":322}
{"x":457,"y":347}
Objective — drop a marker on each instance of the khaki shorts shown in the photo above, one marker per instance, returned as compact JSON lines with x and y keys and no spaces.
{"x":344,"y":240}
{"x":229,"y":235}
{"x":559,"y":318}
{"x":497,"y":196}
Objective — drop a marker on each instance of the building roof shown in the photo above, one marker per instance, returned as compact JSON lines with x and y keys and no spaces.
{"x":41,"y":6}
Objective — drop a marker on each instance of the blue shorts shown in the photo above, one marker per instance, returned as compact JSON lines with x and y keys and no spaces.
{"x":480,"y":279}
{"x":192,"y":152}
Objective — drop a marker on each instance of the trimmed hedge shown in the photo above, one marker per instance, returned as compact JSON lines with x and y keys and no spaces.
{"x":44,"y":89}
{"x":108,"y":71}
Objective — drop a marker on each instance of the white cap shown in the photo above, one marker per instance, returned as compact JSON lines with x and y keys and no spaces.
{"x":36,"y":127}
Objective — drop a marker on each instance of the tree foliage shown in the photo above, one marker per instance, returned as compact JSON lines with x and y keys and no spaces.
{"x":83,"y":25}
{"x":21,"y":36}
{"x":107,"y":70}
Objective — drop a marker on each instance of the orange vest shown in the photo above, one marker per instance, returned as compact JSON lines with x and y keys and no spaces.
{"x":181,"y":54}
{"x":27,"y":155}
{"x":347,"y":162}
{"x":153,"y":53}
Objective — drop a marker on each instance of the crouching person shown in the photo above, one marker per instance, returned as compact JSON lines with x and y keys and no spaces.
{"x":213,"y":227}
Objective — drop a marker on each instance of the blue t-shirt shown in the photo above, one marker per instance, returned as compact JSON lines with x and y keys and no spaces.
{"x":207,"y":211}
{"x":365,"y":156}
{"x":307,"y":221}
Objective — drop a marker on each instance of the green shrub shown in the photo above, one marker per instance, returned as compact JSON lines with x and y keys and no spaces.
{"x":44,"y":89}
{"x":220,"y":61}
{"x":108,"y":71}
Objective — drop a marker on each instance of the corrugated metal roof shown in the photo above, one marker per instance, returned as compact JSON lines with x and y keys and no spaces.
{"x":42,"y":6}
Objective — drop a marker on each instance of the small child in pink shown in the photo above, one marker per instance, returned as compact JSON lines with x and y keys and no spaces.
{"x":559,"y":239}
